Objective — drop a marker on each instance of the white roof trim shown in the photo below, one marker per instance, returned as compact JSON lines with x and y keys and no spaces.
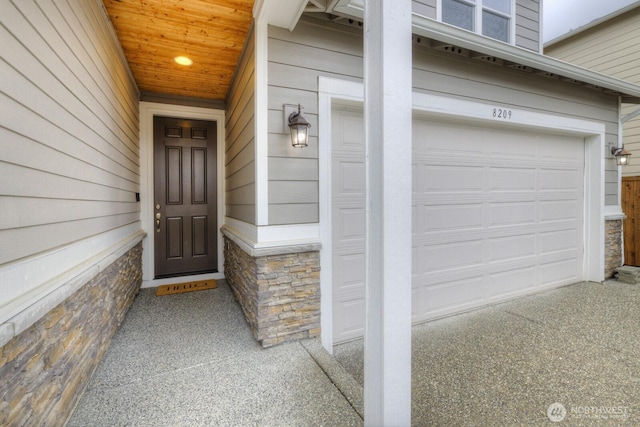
{"x":592,"y":24}
{"x":281,"y":13}
{"x":446,"y":33}
{"x":465,"y":39}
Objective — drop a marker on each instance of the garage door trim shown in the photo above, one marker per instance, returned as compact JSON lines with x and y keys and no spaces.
{"x":335,"y":92}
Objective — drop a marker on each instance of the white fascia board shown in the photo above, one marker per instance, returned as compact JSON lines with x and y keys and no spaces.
{"x":446,"y":33}
{"x":281,"y":13}
{"x":353,"y":8}
{"x":465,"y":39}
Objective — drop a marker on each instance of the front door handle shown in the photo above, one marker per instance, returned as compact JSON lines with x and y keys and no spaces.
{"x":158,"y":216}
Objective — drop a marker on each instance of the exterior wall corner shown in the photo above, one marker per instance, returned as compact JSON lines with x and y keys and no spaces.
{"x":279,"y":294}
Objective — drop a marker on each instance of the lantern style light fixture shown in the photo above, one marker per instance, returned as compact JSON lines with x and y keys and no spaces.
{"x":622,"y":156}
{"x":299,"y":128}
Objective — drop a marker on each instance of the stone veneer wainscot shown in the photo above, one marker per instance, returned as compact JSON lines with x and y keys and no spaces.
{"x":612,"y":246}
{"x":278,"y":289}
{"x":44,"y":369}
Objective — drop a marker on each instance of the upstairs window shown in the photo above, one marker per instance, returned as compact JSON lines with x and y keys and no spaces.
{"x":491,"y":18}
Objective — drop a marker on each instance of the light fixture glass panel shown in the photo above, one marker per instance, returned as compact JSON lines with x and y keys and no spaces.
{"x":503,"y":6}
{"x":458,"y":13}
{"x":495,"y":26}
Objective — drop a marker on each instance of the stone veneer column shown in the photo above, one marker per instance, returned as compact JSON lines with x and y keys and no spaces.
{"x":279,"y":292}
{"x":612,"y":246}
{"x":44,"y":369}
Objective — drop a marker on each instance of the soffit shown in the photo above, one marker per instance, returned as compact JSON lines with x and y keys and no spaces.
{"x":211,"y":32}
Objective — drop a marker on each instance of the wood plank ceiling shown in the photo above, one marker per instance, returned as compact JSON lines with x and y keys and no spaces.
{"x":210,"y":32}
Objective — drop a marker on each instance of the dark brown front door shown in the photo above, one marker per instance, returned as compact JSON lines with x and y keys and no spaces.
{"x":185,"y":205}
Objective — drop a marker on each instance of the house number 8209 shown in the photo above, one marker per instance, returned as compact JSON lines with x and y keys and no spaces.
{"x":501,"y":113}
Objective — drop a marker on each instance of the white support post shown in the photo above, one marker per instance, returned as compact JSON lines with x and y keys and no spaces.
{"x":388,"y":100}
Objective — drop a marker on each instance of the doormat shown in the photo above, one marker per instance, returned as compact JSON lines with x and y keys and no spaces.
{"x":180,"y":288}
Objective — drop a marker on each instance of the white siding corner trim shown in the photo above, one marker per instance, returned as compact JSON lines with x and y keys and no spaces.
{"x":261,"y":131}
{"x":334,"y":91}
{"x":147,"y":111}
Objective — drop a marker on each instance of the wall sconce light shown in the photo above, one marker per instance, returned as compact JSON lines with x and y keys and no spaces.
{"x":299,"y":128}
{"x":622,"y":156}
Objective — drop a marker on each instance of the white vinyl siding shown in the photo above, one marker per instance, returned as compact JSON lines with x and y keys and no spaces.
{"x":69,"y":148}
{"x":239,"y":160}
{"x":528,"y":25}
{"x":295,"y":61}
{"x":69,"y":129}
{"x":425,"y":8}
{"x":610,"y":48}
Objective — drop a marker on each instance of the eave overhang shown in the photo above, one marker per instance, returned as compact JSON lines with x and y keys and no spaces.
{"x":522,"y":58}
{"x":281,"y":13}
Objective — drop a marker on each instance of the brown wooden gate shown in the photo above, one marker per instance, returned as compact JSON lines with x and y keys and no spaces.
{"x":631,"y":208}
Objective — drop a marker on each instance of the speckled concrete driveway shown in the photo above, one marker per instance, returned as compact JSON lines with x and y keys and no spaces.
{"x":573,"y":352}
{"x":190,"y":360}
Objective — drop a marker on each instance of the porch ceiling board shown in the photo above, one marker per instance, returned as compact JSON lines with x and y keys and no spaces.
{"x":210,"y":32}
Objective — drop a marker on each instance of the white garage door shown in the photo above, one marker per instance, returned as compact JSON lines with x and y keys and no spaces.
{"x":497,"y":213}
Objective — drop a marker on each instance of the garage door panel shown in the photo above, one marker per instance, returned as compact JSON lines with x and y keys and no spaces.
{"x":497,"y":214}
{"x":560,"y":180}
{"x":351,"y":180}
{"x":510,"y":282}
{"x":348,"y":319}
{"x":453,"y":296}
{"x":559,"y":272}
{"x":417,"y":264}
{"x":510,"y":147}
{"x":453,"y":255}
{"x":454,"y":178}
{"x":559,"y":210}
{"x":559,"y":240}
{"x":349,"y":224}
{"x":417,"y":307}
{"x":452,"y":217}
{"x":510,"y":179}
{"x":417,"y":178}
{"x":512,"y":247}
{"x":440,"y":136}
{"x":559,"y":149}
{"x":351,"y":268}
{"x":512,"y":213}
{"x":352,"y":137}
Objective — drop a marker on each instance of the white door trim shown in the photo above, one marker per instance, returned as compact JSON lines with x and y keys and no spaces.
{"x":147,"y":111}
{"x":333,"y":92}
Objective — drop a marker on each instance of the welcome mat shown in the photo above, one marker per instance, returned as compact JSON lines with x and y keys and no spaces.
{"x":179,"y":288}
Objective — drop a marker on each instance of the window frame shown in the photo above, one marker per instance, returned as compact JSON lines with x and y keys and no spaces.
{"x":478,"y":9}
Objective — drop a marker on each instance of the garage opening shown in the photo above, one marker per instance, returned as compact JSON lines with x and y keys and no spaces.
{"x":498,"y":212}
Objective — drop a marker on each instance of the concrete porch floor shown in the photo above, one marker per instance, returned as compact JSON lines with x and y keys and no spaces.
{"x":190,"y":360}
